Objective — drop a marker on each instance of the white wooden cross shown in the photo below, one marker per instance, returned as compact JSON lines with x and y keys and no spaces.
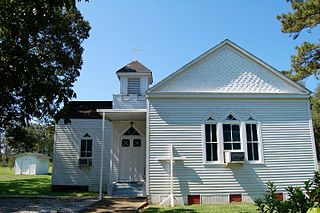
{"x":171,"y":160}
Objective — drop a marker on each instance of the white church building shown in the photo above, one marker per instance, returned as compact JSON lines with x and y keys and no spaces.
{"x":233,"y":123}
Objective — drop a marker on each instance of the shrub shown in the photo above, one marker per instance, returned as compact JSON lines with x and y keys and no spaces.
{"x":299,"y":200}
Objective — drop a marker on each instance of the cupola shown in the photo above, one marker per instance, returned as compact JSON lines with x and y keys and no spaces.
{"x":134,"y":78}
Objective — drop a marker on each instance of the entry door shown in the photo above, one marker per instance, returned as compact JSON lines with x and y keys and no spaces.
{"x":132,"y":158}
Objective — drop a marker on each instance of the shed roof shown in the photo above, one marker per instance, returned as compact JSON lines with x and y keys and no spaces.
{"x":87,"y":109}
{"x":32,"y":153}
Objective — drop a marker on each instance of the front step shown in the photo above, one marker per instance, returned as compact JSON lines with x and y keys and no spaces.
{"x":134,"y":189}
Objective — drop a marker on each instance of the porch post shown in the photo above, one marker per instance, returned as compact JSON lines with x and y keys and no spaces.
{"x":102,"y":152}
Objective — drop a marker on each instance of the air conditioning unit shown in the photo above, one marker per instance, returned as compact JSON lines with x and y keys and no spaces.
{"x":85,"y":161}
{"x":233,"y":157}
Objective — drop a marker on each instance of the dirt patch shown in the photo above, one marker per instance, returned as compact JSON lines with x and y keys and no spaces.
{"x":43,"y":205}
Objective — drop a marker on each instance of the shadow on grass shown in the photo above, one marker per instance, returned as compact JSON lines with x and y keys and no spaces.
{"x":35,"y":186}
{"x":164,"y":210}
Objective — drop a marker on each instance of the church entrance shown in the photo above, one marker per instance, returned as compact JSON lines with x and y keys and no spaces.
{"x":132,"y":156}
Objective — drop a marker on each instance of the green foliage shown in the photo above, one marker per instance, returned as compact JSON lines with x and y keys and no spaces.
{"x":306,"y":62}
{"x":299,"y":200}
{"x":305,"y":16}
{"x":40,"y":57}
{"x":32,"y":138}
{"x":315,"y":110}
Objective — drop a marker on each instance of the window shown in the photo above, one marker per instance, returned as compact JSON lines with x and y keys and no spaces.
{"x":211,"y":142}
{"x":125,"y":143}
{"x":252,"y":142}
{"x":86,"y":148}
{"x":231,"y":134}
{"x":137,"y":142}
{"x":134,"y":86}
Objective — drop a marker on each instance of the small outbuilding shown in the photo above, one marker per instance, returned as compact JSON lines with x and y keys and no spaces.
{"x":31,"y":164}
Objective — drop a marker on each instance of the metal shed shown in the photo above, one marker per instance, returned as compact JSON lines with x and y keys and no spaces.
{"x":31,"y":164}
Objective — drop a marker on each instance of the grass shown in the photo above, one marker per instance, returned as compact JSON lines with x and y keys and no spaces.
{"x":219,"y":208}
{"x":11,"y":184}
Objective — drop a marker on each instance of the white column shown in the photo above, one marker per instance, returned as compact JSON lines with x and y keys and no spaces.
{"x":102,"y":152}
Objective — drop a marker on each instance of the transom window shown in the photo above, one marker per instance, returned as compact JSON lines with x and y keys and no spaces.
{"x":86,"y":147}
{"x":211,"y":142}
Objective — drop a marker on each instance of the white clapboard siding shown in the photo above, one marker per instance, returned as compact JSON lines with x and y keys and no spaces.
{"x":66,"y":170}
{"x":286,"y":137}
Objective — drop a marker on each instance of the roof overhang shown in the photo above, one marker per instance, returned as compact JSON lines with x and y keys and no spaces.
{"x":124,"y":114}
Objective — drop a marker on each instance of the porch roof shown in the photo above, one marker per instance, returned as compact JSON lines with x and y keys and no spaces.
{"x":124,"y":114}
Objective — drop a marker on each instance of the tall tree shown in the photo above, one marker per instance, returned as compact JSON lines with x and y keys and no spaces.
{"x":306,"y":62}
{"x":32,"y":138}
{"x":305,"y":15}
{"x":40,"y":58}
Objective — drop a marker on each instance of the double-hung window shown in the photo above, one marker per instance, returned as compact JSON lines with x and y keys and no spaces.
{"x":86,"y":147}
{"x":211,"y":142}
{"x":252,"y":141}
{"x":231,"y":134}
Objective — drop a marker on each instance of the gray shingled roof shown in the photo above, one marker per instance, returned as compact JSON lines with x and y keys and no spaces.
{"x":134,"y":66}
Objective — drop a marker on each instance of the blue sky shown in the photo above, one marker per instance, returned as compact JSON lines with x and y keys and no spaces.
{"x":170,"y":33}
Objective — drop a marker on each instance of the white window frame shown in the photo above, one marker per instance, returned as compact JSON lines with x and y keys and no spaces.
{"x":210,"y":119}
{"x":260,"y":143}
{"x":243,"y":139}
{"x":238,"y":122}
{"x":86,"y":139}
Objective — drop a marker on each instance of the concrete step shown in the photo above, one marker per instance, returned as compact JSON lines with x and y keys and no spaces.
{"x":128,"y":190}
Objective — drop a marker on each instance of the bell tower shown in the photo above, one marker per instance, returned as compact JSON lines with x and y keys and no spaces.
{"x":134,"y":79}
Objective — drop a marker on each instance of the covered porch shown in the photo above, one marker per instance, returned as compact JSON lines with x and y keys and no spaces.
{"x":127,"y":157}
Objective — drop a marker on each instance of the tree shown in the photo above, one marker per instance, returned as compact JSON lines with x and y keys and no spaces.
{"x":315,"y":110}
{"x":306,"y":15}
{"x":306,"y":62}
{"x":32,"y":138}
{"x":40,"y":58}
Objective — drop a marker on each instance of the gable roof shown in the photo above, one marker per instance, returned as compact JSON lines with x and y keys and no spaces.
{"x":134,"y":66}
{"x":243,"y":52}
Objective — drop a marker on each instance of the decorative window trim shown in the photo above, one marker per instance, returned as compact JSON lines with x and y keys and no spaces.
{"x":260,"y":148}
{"x":204,"y":142}
{"x":243,"y":137}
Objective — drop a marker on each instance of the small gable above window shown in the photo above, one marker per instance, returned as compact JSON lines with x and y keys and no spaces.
{"x":131,"y":131}
{"x":211,"y":119}
{"x":231,"y":118}
{"x":251,"y":119}
{"x":86,"y":135}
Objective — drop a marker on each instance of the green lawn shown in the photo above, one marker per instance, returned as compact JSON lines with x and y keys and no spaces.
{"x":11,"y":184}
{"x":221,"y":208}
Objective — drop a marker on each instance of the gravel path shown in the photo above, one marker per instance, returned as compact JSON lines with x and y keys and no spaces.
{"x":43,"y":205}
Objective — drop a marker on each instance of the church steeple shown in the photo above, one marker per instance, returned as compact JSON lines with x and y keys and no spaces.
{"x":135,"y":78}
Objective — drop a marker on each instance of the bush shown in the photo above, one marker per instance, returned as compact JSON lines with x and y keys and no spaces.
{"x":299,"y":200}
